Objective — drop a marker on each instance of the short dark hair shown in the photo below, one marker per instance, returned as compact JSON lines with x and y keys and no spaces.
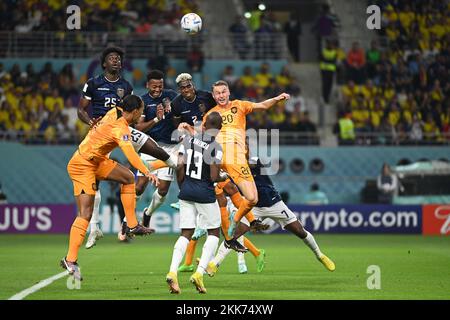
{"x":315,"y":187}
{"x":155,"y":75}
{"x":131,"y":102}
{"x":214,"y":120}
{"x":109,"y":50}
{"x":220,"y":83}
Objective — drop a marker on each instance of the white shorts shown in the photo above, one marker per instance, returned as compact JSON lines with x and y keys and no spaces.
{"x":201,"y":215}
{"x":167,"y":173}
{"x":138,"y":139}
{"x":279,"y":212}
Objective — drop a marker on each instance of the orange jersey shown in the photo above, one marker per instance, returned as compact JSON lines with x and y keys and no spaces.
{"x":112,"y":131}
{"x":233,"y":122}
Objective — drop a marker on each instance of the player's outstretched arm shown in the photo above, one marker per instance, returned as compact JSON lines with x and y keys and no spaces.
{"x":266,"y":104}
{"x":136,"y":162}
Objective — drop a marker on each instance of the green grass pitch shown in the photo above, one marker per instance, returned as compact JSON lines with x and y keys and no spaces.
{"x":412,"y":267}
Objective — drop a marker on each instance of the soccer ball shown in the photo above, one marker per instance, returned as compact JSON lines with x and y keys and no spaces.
{"x":191,"y":23}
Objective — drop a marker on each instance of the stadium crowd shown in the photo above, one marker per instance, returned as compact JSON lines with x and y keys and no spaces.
{"x":38,"y":105}
{"x":258,"y":85}
{"x":399,"y":94}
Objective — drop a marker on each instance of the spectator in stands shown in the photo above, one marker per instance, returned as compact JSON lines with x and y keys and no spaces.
{"x":263,"y":78}
{"x":328,"y":58}
{"x":293,"y":30}
{"x":54,"y":102}
{"x":284,"y":79}
{"x":325,"y":26}
{"x":346,"y":129}
{"x":356,"y":62}
{"x":247,"y":78}
{"x":66,"y":82}
{"x":296,"y":101}
{"x":315,"y":196}
{"x":308,"y":128}
{"x":229,"y":76}
{"x":238,"y":31}
{"x":373,"y":56}
{"x":387,"y":184}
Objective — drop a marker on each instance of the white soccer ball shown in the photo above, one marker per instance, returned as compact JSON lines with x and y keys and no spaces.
{"x":191,"y":23}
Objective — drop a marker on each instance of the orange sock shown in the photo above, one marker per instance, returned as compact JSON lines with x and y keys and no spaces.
{"x":237,"y":201}
{"x":244,"y":208}
{"x":76,"y":238}
{"x":254,"y":250}
{"x":128,"y":198}
{"x":157,"y":164}
{"x":225,"y":222}
{"x":190,"y":252}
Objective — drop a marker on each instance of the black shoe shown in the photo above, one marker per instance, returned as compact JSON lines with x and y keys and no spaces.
{"x":257,"y":225}
{"x":139,"y":230}
{"x":235,"y":245}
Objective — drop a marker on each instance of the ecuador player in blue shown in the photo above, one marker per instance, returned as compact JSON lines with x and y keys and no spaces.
{"x":157,"y":122}
{"x":198,"y":169}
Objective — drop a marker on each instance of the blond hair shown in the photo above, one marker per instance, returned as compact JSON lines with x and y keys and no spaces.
{"x":183,"y":77}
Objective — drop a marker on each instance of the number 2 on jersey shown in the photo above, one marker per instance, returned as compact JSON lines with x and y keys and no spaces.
{"x":196,"y":173}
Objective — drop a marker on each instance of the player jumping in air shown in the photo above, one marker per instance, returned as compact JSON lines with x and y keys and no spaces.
{"x":198,"y":169}
{"x":158,"y":123}
{"x":233,"y":141}
{"x":90,"y":163}
{"x":102,"y":93}
{"x":270,"y":205}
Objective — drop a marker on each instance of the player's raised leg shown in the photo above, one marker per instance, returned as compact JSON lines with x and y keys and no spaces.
{"x":250,"y":193}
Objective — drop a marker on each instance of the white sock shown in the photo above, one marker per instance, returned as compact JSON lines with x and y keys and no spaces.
{"x":221,"y":254}
{"x":241,"y":255}
{"x":208,"y":250}
{"x":178,"y":253}
{"x":312,"y":244}
{"x":157,"y":201}
{"x":95,"y":212}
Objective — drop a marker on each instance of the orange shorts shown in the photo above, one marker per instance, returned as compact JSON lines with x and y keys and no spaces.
{"x":238,"y":172}
{"x":84,"y":173}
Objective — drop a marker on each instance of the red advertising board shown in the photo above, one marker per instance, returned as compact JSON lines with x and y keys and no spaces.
{"x":436,"y":219}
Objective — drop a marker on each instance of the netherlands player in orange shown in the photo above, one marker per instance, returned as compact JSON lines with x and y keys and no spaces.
{"x":232,"y":138}
{"x":91,"y":163}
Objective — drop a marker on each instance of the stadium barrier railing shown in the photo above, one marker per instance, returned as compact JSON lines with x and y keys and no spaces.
{"x":81,"y":44}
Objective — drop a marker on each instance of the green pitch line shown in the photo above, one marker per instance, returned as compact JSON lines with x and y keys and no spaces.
{"x":412,"y":267}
